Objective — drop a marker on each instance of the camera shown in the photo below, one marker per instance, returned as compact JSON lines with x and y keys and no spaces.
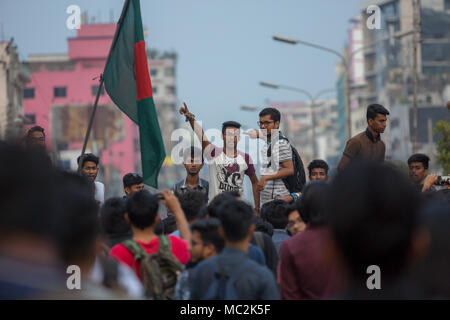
{"x":159,"y":196}
{"x":443,"y":181}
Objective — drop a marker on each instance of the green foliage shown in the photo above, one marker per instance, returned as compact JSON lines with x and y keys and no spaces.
{"x":443,"y":145}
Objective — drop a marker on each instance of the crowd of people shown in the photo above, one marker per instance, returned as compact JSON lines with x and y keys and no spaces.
{"x":299,"y":240}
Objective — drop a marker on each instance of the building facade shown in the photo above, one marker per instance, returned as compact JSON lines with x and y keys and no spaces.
{"x":13,"y":78}
{"x":60,"y":98}
{"x":296,"y":124}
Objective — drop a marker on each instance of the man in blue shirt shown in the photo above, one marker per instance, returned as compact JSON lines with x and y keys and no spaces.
{"x":251,"y":282}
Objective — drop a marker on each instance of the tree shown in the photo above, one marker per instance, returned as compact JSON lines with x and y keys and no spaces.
{"x":442,"y":128}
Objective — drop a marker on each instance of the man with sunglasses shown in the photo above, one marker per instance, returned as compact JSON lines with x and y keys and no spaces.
{"x":277,"y":164}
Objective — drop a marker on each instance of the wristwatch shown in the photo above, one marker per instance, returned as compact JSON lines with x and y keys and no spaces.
{"x":190,"y":117}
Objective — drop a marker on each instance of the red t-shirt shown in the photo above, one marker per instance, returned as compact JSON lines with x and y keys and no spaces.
{"x":179,"y":250}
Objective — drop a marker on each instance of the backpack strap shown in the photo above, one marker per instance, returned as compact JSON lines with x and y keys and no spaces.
{"x":269,"y":148}
{"x":135,"y":248}
{"x":164,"y":245}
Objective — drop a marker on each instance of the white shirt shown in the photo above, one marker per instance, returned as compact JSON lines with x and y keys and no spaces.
{"x":226,"y":173}
{"x":99,"y":192}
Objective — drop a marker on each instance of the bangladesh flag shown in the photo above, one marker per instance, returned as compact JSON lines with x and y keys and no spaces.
{"x":127,"y":82}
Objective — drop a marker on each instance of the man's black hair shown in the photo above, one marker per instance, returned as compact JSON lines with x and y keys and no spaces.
{"x":81,"y":226}
{"x":372,"y":212}
{"x":112,"y":216}
{"x":217,"y":201}
{"x":275,"y":115}
{"x":419,"y":157}
{"x":142,"y":208}
{"x":236,"y":218}
{"x":209,"y":232}
{"x":317,"y":163}
{"x":430,"y":271}
{"x":263,"y":226}
{"x":374,"y":109}
{"x":290,"y":208}
{"x":311,"y":205}
{"x":191,"y":153}
{"x":35,"y":129}
{"x":275,"y":213}
{"x":130,"y":179}
{"x":230,"y":124}
{"x":88,"y":157}
{"x":191,"y":203}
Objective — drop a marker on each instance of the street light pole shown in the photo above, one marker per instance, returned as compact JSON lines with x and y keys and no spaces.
{"x":345,"y":61}
{"x":416,"y":39}
{"x":313,"y":100}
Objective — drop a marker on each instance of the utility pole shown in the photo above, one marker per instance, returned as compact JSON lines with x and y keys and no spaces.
{"x":416,"y":41}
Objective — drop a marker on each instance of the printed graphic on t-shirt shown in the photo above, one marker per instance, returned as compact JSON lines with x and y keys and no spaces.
{"x":229,"y":177}
{"x":227,"y":173}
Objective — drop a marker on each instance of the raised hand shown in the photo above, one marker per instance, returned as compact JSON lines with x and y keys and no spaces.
{"x":171,"y":201}
{"x":185,"y":111}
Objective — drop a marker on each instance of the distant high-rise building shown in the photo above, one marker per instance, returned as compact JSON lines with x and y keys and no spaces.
{"x":389,"y":69}
{"x":296,"y":124}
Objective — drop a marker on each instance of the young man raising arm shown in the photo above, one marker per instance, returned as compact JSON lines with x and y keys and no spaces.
{"x":227,"y":164}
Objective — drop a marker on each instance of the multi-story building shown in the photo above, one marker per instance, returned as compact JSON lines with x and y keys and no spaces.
{"x":13,"y":77}
{"x":296,"y":124}
{"x":354,"y":52}
{"x":389,"y":69}
{"x":61,"y":94}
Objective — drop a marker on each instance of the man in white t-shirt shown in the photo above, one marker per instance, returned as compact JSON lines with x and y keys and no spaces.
{"x":227,"y":165}
{"x":89,"y":168}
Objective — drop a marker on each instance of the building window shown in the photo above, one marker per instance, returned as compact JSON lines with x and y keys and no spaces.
{"x":65,"y":164}
{"x":169,"y":72}
{"x":30,"y":118}
{"x":170,"y":89}
{"x":94,"y":89}
{"x":28,"y":93}
{"x":60,"y":92}
{"x":155,"y":90}
{"x":153,"y":72}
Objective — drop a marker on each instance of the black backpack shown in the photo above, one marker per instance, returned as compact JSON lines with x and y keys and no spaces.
{"x":295,"y":182}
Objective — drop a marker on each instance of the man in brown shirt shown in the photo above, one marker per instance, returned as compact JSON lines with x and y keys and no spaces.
{"x":367,"y":145}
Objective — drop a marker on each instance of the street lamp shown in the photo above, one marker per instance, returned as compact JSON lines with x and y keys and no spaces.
{"x":312,"y":98}
{"x":345,"y":61}
{"x":249,"y":108}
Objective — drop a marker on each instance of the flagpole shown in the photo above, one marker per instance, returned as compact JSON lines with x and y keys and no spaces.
{"x":100,"y":86}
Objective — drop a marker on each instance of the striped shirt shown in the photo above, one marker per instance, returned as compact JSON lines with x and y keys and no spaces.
{"x":280,"y":152}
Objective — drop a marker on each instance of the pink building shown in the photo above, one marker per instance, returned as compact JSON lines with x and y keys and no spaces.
{"x":60,"y":96}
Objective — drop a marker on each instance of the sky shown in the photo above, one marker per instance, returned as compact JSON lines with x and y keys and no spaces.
{"x":224,"y":47}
